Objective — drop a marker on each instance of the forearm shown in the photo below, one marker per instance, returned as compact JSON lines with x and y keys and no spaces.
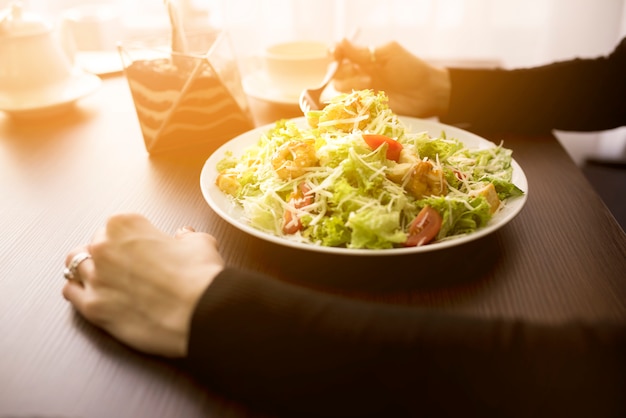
{"x":272,"y":343}
{"x":579,"y":95}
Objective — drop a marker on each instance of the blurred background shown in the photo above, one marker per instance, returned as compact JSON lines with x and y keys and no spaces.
{"x":513,"y":32}
{"x":506,"y":33}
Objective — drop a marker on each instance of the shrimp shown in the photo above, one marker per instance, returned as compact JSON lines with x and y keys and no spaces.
{"x":426,"y":180}
{"x":294,"y":158}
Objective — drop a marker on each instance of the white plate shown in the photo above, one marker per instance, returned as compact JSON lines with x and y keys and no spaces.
{"x":258,"y":86}
{"x":233,"y":214}
{"x":52,"y":99}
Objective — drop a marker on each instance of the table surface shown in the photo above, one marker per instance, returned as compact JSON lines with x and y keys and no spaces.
{"x":563,"y":257}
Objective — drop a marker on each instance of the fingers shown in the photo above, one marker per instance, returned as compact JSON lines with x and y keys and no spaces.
{"x":363,"y":66}
{"x":123,"y":223}
{"x":360,"y":55}
{"x":356,"y":71}
{"x":189,"y":233}
{"x":371,"y":56}
{"x":184,"y":230}
{"x":81,"y":273}
{"x":350,"y":80}
{"x":78,"y":265}
{"x":74,"y":292}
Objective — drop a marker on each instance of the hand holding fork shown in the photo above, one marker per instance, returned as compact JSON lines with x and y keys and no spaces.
{"x":310,"y":99}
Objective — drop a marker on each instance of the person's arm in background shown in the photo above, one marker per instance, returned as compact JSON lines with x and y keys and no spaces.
{"x":575,"y":95}
{"x":579,"y":94}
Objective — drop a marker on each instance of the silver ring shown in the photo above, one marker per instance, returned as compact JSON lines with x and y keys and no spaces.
{"x":372,"y":50}
{"x":71,"y":271}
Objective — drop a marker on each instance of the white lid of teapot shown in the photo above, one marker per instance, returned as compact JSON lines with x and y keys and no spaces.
{"x":16,"y":22}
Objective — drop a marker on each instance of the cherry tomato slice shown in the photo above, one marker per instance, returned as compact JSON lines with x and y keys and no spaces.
{"x":424,"y":227}
{"x":393,"y":147}
{"x":291,"y":223}
{"x":298,"y":199}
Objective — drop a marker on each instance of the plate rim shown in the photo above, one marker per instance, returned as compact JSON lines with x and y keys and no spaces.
{"x":207,"y":184}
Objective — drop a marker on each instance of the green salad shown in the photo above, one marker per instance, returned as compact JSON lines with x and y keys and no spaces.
{"x":356,"y":178}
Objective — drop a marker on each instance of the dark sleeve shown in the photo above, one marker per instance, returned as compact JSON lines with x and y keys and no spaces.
{"x":575,"y":95}
{"x":299,"y":352}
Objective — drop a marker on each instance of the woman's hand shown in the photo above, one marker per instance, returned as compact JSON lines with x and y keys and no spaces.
{"x":142,"y":285}
{"x":414,"y":87}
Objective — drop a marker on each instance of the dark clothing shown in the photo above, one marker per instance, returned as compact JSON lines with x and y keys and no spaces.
{"x":299,"y":352}
{"x":575,"y":95}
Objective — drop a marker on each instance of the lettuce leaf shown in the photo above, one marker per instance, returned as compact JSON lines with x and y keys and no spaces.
{"x":375,"y":229}
{"x":460,"y":216}
{"x":436,"y":149}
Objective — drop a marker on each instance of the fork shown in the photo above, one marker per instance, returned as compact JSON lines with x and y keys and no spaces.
{"x":310,"y":98}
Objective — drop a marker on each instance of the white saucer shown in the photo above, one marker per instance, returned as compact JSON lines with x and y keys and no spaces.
{"x":258,"y":86}
{"x":100,"y":62}
{"x":50,"y":100}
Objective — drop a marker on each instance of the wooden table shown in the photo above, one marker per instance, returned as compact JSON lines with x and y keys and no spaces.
{"x":563,"y":257}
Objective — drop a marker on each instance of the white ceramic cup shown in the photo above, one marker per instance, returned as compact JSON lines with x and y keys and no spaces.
{"x":93,"y":27}
{"x":293,"y":66}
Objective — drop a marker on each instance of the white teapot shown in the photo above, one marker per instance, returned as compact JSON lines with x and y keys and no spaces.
{"x":32,"y":55}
